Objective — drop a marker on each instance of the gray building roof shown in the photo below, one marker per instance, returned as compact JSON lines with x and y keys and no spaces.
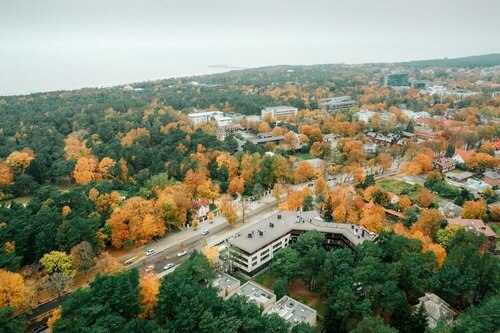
{"x":255,"y":293}
{"x":279,"y":224}
{"x":291,"y":310}
{"x":224,"y":281}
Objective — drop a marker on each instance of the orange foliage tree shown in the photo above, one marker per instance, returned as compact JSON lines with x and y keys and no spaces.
{"x":305,"y":171}
{"x":236,"y":185}
{"x":149,"y":286}
{"x":136,"y":221}
{"x":106,"y":167}
{"x":133,"y":135}
{"x":172,"y":205}
{"x":228,"y":210}
{"x":404,"y":203}
{"x":5,"y":173}
{"x":86,"y":171}
{"x":425,"y":197}
{"x":428,"y":223}
{"x":474,"y":209}
{"x":295,"y":199}
{"x":21,"y":159}
{"x":373,"y":219}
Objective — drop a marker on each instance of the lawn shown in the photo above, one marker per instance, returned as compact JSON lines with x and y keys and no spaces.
{"x":266,"y":279}
{"x":396,"y":186}
{"x":19,"y":200}
{"x":303,"y":156}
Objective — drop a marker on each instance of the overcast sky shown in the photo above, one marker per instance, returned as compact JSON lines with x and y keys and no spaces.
{"x":48,"y":44}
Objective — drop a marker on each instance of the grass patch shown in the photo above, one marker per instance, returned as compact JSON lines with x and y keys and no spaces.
{"x":266,"y":279}
{"x":303,"y":156}
{"x":19,"y":200}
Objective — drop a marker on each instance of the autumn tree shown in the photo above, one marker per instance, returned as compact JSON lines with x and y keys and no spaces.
{"x":425,"y":197}
{"x":58,"y":262}
{"x":358,"y":174}
{"x":428,"y":222}
{"x":211,"y":253}
{"x":305,"y":171}
{"x":482,"y":161}
{"x":385,"y":161}
{"x":373,"y":219}
{"x":56,"y":315}
{"x":135,"y":222}
{"x":149,"y":286}
{"x":172,"y":206}
{"x":236,"y":185}
{"x":6,"y":176}
{"x":133,"y":135}
{"x":86,"y":170}
{"x":106,"y":167}
{"x":13,"y":290}
{"x":404,"y":203}
{"x":228,"y":210}
{"x":21,"y":159}
{"x":474,"y":209}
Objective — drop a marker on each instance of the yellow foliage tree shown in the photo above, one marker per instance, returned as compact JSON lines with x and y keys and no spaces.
{"x":86,"y":171}
{"x":149,"y":286}
{"x":13,"y":290}
{"x":228,"y":210}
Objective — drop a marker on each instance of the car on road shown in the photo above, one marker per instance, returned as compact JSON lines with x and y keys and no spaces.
{"x":150,"y":252}
{"x":310,"y":184}
{"x":182,"y":253}
{"x":168,"y":266}
{"x":205,"y":232}
{"x":150,"y":268}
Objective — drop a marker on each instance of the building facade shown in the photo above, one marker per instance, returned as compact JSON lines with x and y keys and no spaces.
{"x":254,"y":247}
{"x":205,"y":117}
{"x":336,"y":103}
{"x":394,"y":80}
{"x":279,"y":112}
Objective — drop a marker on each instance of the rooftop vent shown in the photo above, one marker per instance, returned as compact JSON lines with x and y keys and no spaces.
{"x":261,"y":232}
{"x":249,"y":235}
{"x":279,"y":216}
{"x":271,"y":224}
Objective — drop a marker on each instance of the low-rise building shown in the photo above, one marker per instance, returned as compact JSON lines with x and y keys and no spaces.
{"x":463,"y":156}
{"x":477,"y":226}
{"x":444,"y":164}
{"x":449,"y":209}
{"x":256,"y":294}
{"x":225,"y":284}
{"x":492,"y":177}
{"x":365,"y":115}
{"x":205,"y":117}
{"x":254,"y":247}
{"x":436,"y":309}
{"x":459,"y":176}
{"x":475,"y":185}
{"x":426,"y":133}
{"x":370,"y":147}
{"x":279,"y":112}
{"x":292,"y":311}
{"x":335,"y":103}
{"x":399,"y":79}
{"x":263,"y":140}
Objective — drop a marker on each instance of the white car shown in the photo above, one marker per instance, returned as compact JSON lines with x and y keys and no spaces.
{"x":204,"y":232}
{"x":150,"y":268}
{"x":182,"y":253}
{"x":150,"y":252}
{"x":168,"y":266}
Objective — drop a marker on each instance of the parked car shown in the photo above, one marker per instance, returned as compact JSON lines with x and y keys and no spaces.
{"x":168,"y":266}
{"x":150,"y":252}
{"x":182,"y":253}
{"x":205,"y":232}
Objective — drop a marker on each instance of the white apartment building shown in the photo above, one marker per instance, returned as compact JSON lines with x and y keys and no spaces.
{"x":205,"y":117}
{"x":254,"y":247}
{"x":279,"y":112}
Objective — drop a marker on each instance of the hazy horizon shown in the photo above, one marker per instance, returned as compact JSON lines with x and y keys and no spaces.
{"x":61,"y":45}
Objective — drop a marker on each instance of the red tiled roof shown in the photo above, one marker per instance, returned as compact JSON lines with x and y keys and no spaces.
{"x":474,"y":225}
{"x":464,"y":154}
{"x":393,"y":212}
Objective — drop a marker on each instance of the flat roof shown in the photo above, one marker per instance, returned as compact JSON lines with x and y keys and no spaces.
{"x":291,"y":310}
{"x":281,"y":223}
{"x":255,"y":292}
{"x":199,"y":114}
{"x":224,"y":281}
{"x":279,"y":107}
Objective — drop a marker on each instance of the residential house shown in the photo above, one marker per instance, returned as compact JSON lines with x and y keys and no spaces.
{"x":426,"y":133}
{"x":459,"y":176}
{"x":463,"y":156}
{"x":477,"y":226}
{"x":475,"y":185}
{"x":200,"y":208}
{"x":449,"y":209}
{"x":436,"y":309}
{"x":492,"y":178}
{"x":444,"y":164}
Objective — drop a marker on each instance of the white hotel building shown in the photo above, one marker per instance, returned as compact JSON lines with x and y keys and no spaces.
{"x":254,"y":247}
